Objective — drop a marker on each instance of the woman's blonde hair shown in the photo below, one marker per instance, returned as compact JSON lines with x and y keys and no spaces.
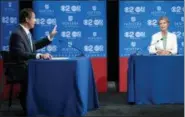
{"x":164,"y":18}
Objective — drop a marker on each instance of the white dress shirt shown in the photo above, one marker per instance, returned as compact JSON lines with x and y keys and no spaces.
{"x":28,"y":33}
{"x":157,"y":44}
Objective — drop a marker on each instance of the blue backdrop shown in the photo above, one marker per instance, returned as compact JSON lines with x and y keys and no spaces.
{"x":9,"y":20}
{"x":80,"y":24}
{"x":138,"y":21}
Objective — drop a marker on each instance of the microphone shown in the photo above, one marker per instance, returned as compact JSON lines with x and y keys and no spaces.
{"x":136,"y":53}
{"x":81,"y":52}
{"x":156,"y":42}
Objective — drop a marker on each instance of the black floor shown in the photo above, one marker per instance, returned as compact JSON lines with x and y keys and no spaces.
{"x":113,"y":104}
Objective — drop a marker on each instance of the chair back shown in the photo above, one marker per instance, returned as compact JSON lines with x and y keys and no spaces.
{"x":11,"y":69}
{"x":6,"y":56}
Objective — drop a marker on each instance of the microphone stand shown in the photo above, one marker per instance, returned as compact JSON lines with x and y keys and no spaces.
{"x":81,"y":53}
{"x":156,"y":43}
{"x":136,"y":53}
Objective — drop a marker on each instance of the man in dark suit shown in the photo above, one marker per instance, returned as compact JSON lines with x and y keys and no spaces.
{"x":22,"y":48}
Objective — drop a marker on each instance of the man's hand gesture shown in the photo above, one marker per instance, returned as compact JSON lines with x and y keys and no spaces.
{"x":53,"y":32}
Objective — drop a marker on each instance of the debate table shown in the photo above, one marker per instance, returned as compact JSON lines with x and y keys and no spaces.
{"x":156,"y":79}
{"x":61,"y":87}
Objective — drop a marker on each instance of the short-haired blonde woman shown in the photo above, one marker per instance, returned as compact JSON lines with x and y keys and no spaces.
{"x":163,"y":42}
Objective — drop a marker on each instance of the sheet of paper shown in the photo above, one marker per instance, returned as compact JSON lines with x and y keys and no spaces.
{"x":60,"y":58}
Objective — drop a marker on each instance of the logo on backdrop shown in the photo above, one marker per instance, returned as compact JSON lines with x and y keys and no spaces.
{"x":46,"y":21}
{"x":133,"y":44}
{"x":134,"y":10}
{"x":180,"y":23}
{"x":46,"y":10}
{"x":131,"y":49}
{"x":51,"y":48}
{"x":133,"y":23}
{"x":182,"y":19}
{"x":177,"y":9}
{"x":93,"y":22}
{"x":9,"y":20}
{"x":94,"y":36}
{"x":70,"y":23}
{"x":179,"y":34}
{"x":134,"y":35}
{"x":46,"y":33}
{"x":9,"y":4}
{"x":152,"y":22}
{"x":94,"y":11}
{"x":46,"y":6}
{"x":71,"y":34}
{"x":158,"y":11}
{"x":70,"y":9}
{"x":93,"y":48}
{"x":182,"y":44}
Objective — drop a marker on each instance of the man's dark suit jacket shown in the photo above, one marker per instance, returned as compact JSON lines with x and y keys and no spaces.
{"x":20,"y":49}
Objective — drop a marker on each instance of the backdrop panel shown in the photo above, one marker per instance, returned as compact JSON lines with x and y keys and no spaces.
{"x":9,"y":20}
{"x":138,"y":22}
{"x":80,"y":24}
{"x":81,"y":27}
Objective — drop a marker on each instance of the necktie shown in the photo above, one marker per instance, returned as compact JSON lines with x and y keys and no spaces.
{"x":30,"y":40}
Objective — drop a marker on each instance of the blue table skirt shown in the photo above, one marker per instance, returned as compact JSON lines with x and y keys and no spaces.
{"x":61,"y":88}
{"x":156,"y":79}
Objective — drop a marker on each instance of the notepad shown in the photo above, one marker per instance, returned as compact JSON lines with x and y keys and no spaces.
{"x":60,"y":58}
